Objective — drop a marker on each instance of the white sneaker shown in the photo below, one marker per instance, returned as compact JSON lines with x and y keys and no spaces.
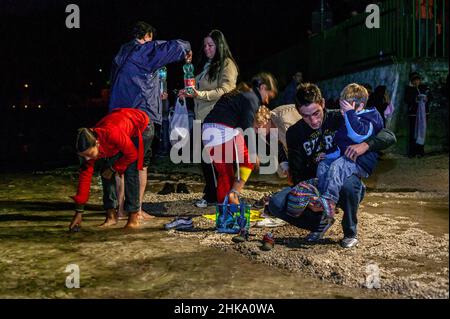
{"x":349,"y":242}
{"x":201,"y":203}
{"x":270,"y":222}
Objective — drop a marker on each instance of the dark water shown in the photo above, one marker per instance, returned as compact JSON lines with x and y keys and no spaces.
{"x":35,"y":249}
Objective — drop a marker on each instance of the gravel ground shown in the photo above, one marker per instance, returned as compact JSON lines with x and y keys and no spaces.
{"x":412,"y":263}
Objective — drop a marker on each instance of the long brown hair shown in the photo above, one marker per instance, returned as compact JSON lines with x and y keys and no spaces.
{"x":222,"y":53}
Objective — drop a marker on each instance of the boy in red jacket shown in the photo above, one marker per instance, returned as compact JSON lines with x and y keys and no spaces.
{"x":119,"y":141}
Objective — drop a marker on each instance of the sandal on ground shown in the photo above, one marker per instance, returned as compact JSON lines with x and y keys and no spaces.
{"x":268,"y":242}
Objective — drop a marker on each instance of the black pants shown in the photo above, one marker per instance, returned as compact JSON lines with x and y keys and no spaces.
{"x":131,"y":177}
{"x":414,"y":148}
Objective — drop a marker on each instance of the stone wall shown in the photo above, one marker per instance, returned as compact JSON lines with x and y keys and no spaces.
{"x":395,"y":77}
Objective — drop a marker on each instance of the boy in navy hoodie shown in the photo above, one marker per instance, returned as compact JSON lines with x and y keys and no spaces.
{"x":358,"y":125}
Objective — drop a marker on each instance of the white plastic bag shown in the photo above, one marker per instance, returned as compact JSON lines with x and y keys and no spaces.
{"x":179,"y":124}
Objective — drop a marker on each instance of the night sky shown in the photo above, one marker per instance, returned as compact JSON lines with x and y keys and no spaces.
{"x":57,"y":62}
{"x":38,"y":48}
{"x":67,"y":69}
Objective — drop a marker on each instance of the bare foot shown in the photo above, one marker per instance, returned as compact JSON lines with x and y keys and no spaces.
{"x":108,"y":223}
{"x":133,"y":221}
{"x":145,"y":216}
{"x":75,"y":224}
{"x":111,"y":218}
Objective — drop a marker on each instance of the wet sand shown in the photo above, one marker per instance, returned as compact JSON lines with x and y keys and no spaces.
{"x":410,"y":250}
{"x":35,"y":249}
{"x":403,"y":227}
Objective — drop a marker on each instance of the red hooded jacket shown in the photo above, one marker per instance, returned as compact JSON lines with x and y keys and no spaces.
{"x":114,"y":133}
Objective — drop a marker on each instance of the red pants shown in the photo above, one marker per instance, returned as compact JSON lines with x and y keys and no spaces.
{"x":223,"y":157}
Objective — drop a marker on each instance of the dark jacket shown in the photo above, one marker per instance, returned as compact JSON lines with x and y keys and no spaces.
{"x":305,"y":144}
{"x":134,"y":76}
{"x":236,"y":110}
{"x":357,"y":128}
{"x":289,"y":93}
{"x":411,"y":93}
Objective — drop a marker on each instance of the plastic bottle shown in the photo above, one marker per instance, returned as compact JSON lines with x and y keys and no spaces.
{"x":189,"y":79}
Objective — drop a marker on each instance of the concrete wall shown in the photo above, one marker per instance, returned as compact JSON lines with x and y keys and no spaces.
{"x":395,"y":77}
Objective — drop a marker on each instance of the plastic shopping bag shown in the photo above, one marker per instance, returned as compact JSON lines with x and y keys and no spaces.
{"x":179,"y":124}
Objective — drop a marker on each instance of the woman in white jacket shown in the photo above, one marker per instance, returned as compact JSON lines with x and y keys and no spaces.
{"x":218,"y":75}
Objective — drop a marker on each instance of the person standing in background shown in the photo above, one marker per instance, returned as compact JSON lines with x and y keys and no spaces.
{"x":417,"y":99}
{"x":290,"y":91}
{"x":380,"y":100}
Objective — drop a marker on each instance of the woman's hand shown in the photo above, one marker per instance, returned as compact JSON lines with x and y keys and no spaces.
{"x":76,"y":222}
{"x":108,"y":173}
{"x":257,"y":163}
{"x":233,"y":198}
{"x":183,"y":93}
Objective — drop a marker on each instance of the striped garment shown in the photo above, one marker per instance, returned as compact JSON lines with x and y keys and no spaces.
{"x":302,"y":195}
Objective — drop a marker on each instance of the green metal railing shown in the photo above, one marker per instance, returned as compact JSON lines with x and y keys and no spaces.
{"x":401,"y":35}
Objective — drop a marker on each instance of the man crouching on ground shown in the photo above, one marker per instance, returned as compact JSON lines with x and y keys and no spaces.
{"x":119,"y":141}
{"x":315,"y":134}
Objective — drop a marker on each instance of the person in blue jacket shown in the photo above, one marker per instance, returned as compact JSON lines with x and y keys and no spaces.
{"x":135,"y":81}
{"x":290,"y":91}
{"x":358,"y":124}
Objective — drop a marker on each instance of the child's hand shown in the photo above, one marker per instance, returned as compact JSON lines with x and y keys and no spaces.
{"x":320,"y":157}
{"x":345,"y":106}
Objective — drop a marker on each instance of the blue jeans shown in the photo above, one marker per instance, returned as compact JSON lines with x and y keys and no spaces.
{"x":131,"y":204}
{"x":131,"y":177}
{"x":164,"y":146}
{"x":333,"y":173}
{"x":351,"y":194}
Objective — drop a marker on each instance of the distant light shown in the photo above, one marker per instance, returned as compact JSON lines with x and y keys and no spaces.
{"x":26,"y":106}
{"x":39,"y":106}
{"x":91,"y":84}
{"x":26,"y":86}
{"x":100,"y":70}
{"x":13,"y":106}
